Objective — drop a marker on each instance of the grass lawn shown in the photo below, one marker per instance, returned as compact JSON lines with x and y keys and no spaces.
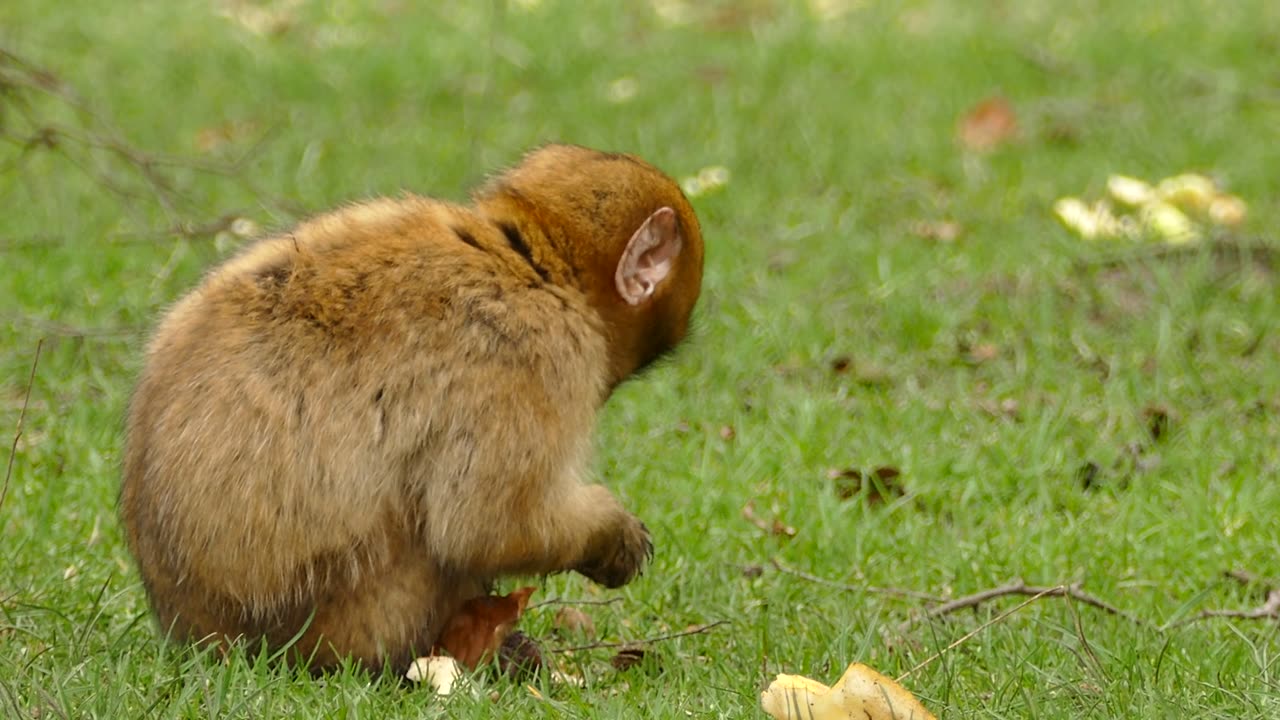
{"x":1057,"y":410}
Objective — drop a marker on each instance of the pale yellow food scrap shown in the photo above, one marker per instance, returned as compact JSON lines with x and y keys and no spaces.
{"x":1227,"y":210}
{"x":1130,"y":191}
{"x":1188,"y":191}
{"x":1092,"y":222}
{"x":1169,"y":223}
{"x":860,"y":693}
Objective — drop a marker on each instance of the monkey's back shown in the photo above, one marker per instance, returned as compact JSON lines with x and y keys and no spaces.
{"x":324,"y":408}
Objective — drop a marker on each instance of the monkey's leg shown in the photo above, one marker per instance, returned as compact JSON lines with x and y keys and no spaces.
{"x":391,"y":614}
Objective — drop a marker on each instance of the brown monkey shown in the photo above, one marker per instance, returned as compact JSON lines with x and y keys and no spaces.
{"x":351,"y":428}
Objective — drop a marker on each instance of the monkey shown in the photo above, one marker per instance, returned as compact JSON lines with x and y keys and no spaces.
{"x":351,"y":427}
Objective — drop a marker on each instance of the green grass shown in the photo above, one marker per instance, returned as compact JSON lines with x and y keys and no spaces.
{"x":840,"y":135}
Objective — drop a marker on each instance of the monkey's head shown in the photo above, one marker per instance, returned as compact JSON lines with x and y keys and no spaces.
{"x":627,"y":235}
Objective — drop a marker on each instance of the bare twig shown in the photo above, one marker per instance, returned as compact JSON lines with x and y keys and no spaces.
{"x":1018,"y":587}
{"x":94,"y":145}
{"x":965,"y":638}
{"x":22,"y":415}
{"x":643,"y":641}
{"x":1269,"y":610}
{"x":48,"y":329}
{"x":897,"y":592}
{"x":1247,"y":578}
{"x":1256,"y":250}
{"x":565,"y":601}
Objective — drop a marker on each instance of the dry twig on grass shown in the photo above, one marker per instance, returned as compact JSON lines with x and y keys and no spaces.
{"x":1018,"y":587}
{"x":22,"y":416}
{"x":1268,"y":610}
{"x":696,"y":630}
{"x":566,"y":601}
{"x":38,"y":104}
{"x":897,"y":592}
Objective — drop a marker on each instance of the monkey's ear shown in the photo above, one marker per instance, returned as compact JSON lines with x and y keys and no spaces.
{"x":649,"y":257}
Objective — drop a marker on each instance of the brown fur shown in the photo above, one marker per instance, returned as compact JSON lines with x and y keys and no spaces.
{"x":355,"y":426}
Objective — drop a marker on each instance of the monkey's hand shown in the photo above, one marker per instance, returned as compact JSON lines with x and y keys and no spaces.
{"x":620,"y":555}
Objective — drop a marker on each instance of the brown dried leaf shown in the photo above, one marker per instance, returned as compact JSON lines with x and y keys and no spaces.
{"x":841,"y":364}
{"x":520,"y":657}
{"x":774,"y":527}
{"x":988,"y":125}
{"x":983,"y":352}
{"x":875,"y":487}
{"x":627,"y":658}
{"x":943,"y":231}
{"x":213,"y":138}
{"x":573,"y":621}
{"x":1157,"y":421}
{"x":481,"y":626}
{"x":1087,"y":475}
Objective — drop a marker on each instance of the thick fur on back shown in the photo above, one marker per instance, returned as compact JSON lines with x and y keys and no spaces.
{"x":354,"y":426}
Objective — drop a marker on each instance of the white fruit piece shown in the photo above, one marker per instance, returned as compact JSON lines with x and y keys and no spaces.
{"x":438,"y":671}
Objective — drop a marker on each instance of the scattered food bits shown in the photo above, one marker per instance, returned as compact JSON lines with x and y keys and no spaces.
{"x":708,"y":180}
{"x":1174,"y":210}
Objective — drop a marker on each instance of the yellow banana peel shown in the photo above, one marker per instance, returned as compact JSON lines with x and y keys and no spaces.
{"x":860,"y":693}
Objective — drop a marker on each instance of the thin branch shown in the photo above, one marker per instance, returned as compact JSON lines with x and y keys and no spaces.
{"x":1258,"y":250}
{"x":22,"y":415}
{"x":1269,"y":610}
{"x":1018,"y":587}
{"x":643,"y":641}
{"x":1245,"y":577}
{"x":564,"y":601}
{"x":49,"y":329}
{"x":100,"y":149}
{"x":964,"y":638}
{"x":896,"y":592}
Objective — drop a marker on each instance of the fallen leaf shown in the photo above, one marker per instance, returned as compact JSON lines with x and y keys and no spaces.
{"x":481,"y":625}
{"x":1087,"y":475}
{"x":988,"y":125}
{"x":215,"y":137}
{"x":860,"y":693}
{"x":841,"y":364}
{"x":943,"y":231}
{"x":573,"y":621}
{"x":875,"y":487}
{"x":1157,"y":421}
{"x":520,"y":657}
{"x":627,"y":658}
{"x":775,"y":527}
{"x":983,"y":352}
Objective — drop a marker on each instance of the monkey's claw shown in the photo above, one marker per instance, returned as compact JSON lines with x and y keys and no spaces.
{"x":622,"y":562}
